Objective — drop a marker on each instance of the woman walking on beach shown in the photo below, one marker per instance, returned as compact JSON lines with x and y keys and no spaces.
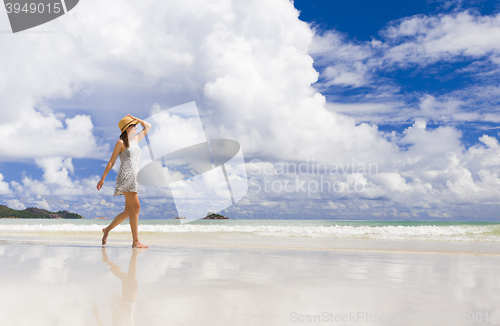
{"x":126,"y":181}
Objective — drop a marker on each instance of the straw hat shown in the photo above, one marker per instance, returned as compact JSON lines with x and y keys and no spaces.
{"x":126,"y":122}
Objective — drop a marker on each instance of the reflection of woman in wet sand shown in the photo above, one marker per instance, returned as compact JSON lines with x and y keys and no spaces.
{"x":126,"y":180}
{"x":123,"y":309}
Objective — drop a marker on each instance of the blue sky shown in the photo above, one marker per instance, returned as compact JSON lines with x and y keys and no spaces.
{"x":410,"y":86}
{"x":363,"y":21}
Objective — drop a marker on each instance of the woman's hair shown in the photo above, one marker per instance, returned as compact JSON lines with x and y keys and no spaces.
{"x":124,"y":137}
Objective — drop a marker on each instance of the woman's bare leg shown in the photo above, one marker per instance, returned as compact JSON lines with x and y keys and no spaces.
{"x":116,"y":221}
{"x":135,"y":207}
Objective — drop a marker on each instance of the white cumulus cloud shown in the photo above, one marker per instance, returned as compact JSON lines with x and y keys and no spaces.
{"x":248,"y":66}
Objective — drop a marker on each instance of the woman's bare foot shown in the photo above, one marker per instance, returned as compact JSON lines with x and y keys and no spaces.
{"x":139,"y":245}
{"x":104,"y":236}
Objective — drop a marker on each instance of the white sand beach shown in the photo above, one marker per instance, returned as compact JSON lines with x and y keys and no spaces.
{"x":203,"y":280}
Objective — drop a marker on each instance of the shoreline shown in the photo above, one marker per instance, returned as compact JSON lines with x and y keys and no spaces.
{"x":302,"y":245}
{"x":461,"y":239}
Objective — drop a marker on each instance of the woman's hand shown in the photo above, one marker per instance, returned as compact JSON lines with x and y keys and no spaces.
{"x":134,"y":117}
{"x":140,"y":121}
{"x":100,"y":184}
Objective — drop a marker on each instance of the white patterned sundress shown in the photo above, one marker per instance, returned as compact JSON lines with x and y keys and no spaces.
{"x":126,"y":180}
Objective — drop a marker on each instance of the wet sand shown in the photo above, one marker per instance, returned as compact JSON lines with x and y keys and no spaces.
{"x":76,"y":282}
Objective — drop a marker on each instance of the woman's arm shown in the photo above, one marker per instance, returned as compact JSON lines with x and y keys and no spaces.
{"x":144,"y":132}
{"x":119,"y":146}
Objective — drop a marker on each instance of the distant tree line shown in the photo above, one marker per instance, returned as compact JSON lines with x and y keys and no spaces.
{"x":33,"y":212}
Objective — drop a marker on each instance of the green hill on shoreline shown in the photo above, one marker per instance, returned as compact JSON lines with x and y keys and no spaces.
{"x":33,"y":212}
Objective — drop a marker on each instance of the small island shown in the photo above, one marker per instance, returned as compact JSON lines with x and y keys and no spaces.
{"x":33,"y":212}
{"x":213,"y":216}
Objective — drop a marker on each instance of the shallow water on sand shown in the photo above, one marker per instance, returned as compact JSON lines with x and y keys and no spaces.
{"x":467,"y":237}
{"x":75,"y":284}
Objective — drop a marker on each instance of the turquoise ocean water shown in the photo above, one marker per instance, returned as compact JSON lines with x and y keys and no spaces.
{"x":381,"y":230}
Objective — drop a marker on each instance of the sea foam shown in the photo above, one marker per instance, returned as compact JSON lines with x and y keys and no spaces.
{"x":423,"y":232}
